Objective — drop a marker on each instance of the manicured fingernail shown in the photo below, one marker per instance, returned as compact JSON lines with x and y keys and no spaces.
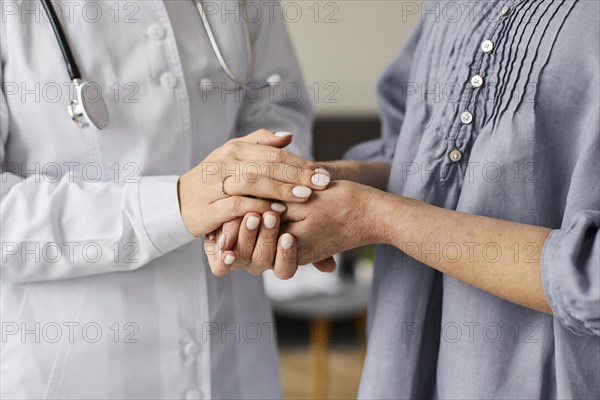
{"x":282,"y":134}
{"x":287,"y":241}
{"x":252,"y":222}
{"x":229,"y":259}
{"x":301,"y":191}
{"x":322,"y":171}
{"x":220,"y":244}
{"x":320,"y":179}
{"x":270,"y":221}
{"x":278,"y":207}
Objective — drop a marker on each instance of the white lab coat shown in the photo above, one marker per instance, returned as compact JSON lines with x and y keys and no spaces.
{"x":104,"y":293}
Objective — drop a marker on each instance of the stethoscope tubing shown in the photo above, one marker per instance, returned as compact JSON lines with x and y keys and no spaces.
{"x":84,"y":112}
{"x":217,"y":49}
{"x":65,"y":49}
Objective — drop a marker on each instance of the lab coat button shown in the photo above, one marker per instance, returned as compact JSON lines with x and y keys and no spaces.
{"x":192,"y":349}
{"x":157,"y":32}
{"x":466,"y":117}
{"x":476,"y":81}
{"x":193,"y":395}
{"x":487,"y":46}
{"x":168,"y":80}
{"x":455,"y":155}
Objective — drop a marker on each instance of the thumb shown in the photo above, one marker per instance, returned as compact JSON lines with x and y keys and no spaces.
{"x":266,"y":137}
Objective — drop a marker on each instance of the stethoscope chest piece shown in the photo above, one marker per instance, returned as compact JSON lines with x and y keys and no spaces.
{"x":88,"y":108}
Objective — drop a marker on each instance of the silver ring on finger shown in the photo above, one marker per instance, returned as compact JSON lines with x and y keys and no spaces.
{"x":223,"y":191}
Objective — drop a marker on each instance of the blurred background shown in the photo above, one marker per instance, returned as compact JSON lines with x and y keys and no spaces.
{"x":343,"y":47}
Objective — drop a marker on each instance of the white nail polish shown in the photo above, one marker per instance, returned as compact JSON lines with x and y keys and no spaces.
{"x":282,"y":134}
{"x":301,"y":191}
{"x":252,"y":222}
{"x":278,"y":207}
{"x":320,"y":179}
{"x":270,"y":221}
{"x":322,"y":171}
{"x":229,"y":259}
{"x":287,"y":241}
{"x":220,"y":244}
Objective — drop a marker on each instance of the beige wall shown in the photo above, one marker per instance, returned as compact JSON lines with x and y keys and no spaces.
{"x":344,"y":48}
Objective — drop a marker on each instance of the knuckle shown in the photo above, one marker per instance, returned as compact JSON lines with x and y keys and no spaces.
{"x":306,"y":176}
{"x":247,"y":184}
{"x":284,"y":191}
{"x":231,"y":146}
{"x":275,"y":155}
{"x":230,"y":225}
{"x":235,"y":204}
{"x":251,"y":177}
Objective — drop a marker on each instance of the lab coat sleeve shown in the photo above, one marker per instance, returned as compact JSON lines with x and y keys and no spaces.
{"x":571,"y":273}
{"x":391,"y":95}
{"x":287,"y":105}
{"x":63,"y":228}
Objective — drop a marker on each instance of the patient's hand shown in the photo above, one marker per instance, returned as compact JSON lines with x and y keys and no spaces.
{"x":334,"y":220}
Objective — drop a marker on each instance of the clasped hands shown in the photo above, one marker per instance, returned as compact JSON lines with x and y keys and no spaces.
{"x":261,"y":207}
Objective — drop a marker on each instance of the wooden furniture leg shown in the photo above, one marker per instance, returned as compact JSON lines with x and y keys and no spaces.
{"x":318,"y":354}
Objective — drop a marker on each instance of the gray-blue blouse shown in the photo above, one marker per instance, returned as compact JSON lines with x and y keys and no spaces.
{"x":492,"y":108}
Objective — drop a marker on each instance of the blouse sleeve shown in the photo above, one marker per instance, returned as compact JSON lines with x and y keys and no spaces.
{"x":571,"y":273}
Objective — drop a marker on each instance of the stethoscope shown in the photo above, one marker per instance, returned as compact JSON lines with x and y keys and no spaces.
{"x":89,"y":109}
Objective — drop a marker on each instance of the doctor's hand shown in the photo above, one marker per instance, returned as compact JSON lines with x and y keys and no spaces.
{"x":217,"y":190}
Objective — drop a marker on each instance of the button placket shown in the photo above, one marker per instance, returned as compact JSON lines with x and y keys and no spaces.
{"x":157,"y":32}
{"x":192,"y":349}
{"x":476,"y":81}
{"x":466,"y":117}
{"x":455,"y":155}
{"x":168,"y":80}
{"x":487,"y":46}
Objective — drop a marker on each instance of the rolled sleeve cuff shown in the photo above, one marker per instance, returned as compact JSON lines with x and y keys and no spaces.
{"x":162,"y":220}
{"x":552,"y":276}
